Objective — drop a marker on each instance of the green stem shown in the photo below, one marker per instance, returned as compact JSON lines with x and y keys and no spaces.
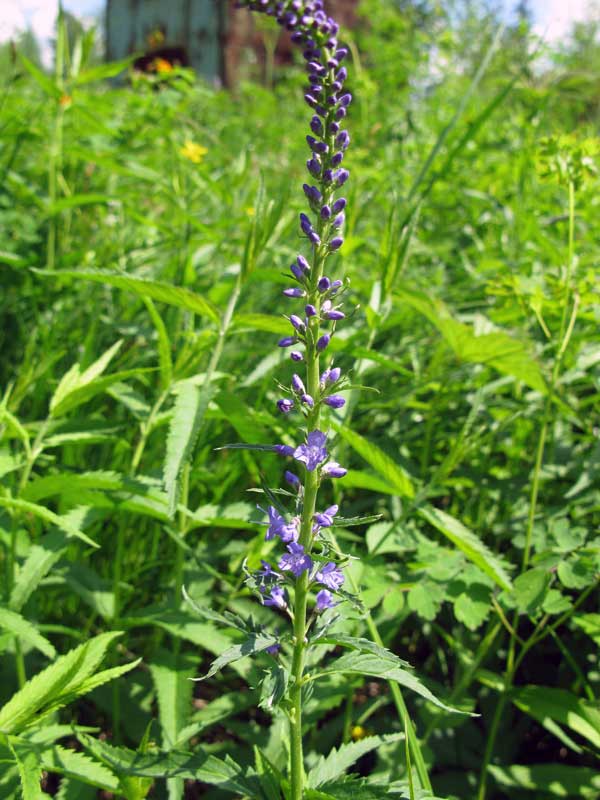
{"x":513,"y":660}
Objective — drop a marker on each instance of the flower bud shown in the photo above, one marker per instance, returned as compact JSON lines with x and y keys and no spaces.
{"x":336,"y":243}
{"x":323,"y":342}
{"x":297,"y":292}
{"x":297,"y":323}
{"x":296,"y":356}
{"x":297,"y":384}
{"x":324,"y":284}
{"x":287,"y":341}
{"x":307,"y":400}
{"x":339,"y":205}
{"x":310,"y":310}
{"x":285,"y":405}
{"x":335,"y":401}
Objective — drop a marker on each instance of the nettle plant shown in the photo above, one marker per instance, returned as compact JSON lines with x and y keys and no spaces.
{"x":305,"y":583}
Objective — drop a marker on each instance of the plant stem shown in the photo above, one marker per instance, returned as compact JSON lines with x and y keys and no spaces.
{"x":513,"y":660}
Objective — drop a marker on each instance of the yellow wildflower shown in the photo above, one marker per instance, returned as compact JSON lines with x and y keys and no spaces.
{"x":358,"y":732}
{"x":250,"y":211}
{"x":162,"y":66}
{"x":192,"y":151}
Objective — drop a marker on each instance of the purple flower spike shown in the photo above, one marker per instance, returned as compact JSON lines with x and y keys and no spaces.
{"x":333,"y":470}
{"x":276,"y":598}
{"x":296,"y":356}
{"x":287,"y":341}
{"x":324,"y":600}
{"x":323,"y":342}
{"x":325,"y":518}
{"x":324,"y":284}
{"x":285,"y":405}
{"x":298,"y":385}
{"x":336,"y":243}
{"x":313,"y":452}
{"x":297,"y":561}
{"x":335,"y":401}
{"x":330,"y":576}
{"x":296,"y":292}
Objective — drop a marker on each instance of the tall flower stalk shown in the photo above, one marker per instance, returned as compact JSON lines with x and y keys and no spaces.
{"x":312,"y":328}
{"x":305,"y":581}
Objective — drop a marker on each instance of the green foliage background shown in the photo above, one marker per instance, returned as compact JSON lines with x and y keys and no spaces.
{"x":139,"y":307}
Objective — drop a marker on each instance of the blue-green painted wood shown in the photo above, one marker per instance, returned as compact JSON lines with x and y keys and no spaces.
{"x":194,"y":26}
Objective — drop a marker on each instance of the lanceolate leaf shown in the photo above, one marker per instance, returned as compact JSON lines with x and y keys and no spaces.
{"x":25,"y":630}
{"x":255,"y":643}
{"x":73,"y":764}
{"x":188,"y":414}
{"x":557,"y":780}
{"x":470,"y":544}
{"x":47,"y":516}
{"x":40,"y":561}
{"x":366,"y":664}
{"x":197,"y":766}
{"x":70,"y":676}
{"x":338,"y":761}
{"x":561,"y":706}
{"x":30,"y":771}
{"x":162,"y":292}
{"x":171,"y":673}
{"x":388,"y":469}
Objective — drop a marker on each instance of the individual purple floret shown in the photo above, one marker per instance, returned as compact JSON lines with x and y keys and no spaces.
{"x":330,"y":576}
{"x":333,"y":470}
{"x":295,"y":355}
{"x":286,"y":531}
{"x":325,"y":518}
{"x":323,"y":342}
{"x":276,"y":598}
{"x":296,"y":561}
{"x":292,"y":479}
{"x":284,"y":450}
{"x":273,"y":649}
{"x":334,"y":401}
{"x":285,"y":405}
{"x":287,"y":341}
{"x":313,"y":452}
{"x":267,"y":571}
{"x":324,"y":600}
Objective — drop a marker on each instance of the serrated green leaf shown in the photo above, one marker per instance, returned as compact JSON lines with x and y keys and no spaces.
{"x":30,"y":771}
{"x":46,"y":515}
{"x":197,"y":766}
{"x":25,"y":630}
{"x":78,"y":766}
{"x":188,"y":414}
{"x":58,"y":684}
{"x":470,"y":544}
{"x":273,"y":687}
{"x":39,"y":562}
{"x":171,"y":674}
{"x":425,"y":598}
{"x":330,"y":767}
{"x":590,"y":624}
{"x":255,"y":643}
{"x":368,"y":664}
